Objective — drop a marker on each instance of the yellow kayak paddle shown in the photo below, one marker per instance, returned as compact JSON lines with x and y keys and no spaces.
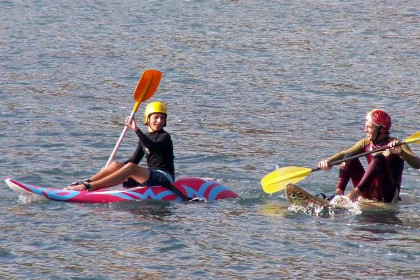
{"x":278,"y":179}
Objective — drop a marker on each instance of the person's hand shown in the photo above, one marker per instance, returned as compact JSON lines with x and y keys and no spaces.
{"x":324,"y":165}
{"x":395,"y":147}
{"x":339,"y":192}
{"x":354,"y":194}
{"x":131,"y":125}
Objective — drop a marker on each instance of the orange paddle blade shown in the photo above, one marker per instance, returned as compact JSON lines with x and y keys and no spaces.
{"x":278,"y":179}
{"x":147,"y":85}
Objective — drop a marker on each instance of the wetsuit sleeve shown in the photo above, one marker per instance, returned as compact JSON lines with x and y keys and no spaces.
{"x":137,"y":155}
{"x":356,"y":149}
{"x":408,"y":156}
{"x":160,"y":142}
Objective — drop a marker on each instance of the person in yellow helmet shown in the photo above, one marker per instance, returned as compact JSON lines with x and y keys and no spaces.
{"x":156,"y":144}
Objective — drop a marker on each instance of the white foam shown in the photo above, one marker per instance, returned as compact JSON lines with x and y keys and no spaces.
{"x":343,"y":202}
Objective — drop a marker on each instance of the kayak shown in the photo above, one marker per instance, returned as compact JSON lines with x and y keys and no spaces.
{"x":299,"y":196}
{"x":192,"y":187}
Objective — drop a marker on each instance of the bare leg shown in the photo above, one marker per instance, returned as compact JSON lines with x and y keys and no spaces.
{"x":138,"y":173}
{"x":113,"y":167}
{"x":106,"y":178}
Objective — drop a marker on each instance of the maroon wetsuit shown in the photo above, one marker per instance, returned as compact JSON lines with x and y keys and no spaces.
{"x":382,"y":179}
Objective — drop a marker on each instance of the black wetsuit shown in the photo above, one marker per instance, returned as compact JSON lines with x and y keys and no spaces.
{"x":159,"y":151}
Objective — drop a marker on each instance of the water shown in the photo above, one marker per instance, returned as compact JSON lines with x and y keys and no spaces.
{"x":250,"y":85}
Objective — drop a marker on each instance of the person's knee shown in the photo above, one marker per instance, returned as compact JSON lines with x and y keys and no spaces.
{"x":378,"y":160}
{"x":134,"y":169}
{"x":378,"y":157}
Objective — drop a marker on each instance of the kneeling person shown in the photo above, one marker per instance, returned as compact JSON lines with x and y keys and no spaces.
{"x":382,"y":179}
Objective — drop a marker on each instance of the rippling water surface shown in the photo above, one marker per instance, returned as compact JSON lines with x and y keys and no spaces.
{"x":250,"y":86}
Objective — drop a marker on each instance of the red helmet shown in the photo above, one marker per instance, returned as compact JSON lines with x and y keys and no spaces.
{"x":379,"y":118}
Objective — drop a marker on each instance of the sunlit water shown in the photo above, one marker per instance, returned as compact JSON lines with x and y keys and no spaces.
{"x":250,"y":85}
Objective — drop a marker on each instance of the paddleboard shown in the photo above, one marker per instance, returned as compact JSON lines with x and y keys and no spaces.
{"x":192,"y":187}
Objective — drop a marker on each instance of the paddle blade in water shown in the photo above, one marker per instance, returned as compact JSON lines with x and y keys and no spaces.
{"x":278,"y":179}
{"x":147,"y":85}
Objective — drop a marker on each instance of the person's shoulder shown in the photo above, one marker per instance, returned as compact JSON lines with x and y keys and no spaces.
{"x":164,"y":133}
{"x":363,"y":142}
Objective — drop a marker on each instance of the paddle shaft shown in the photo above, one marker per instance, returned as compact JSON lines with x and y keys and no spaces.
{"x":146,"y":87}
{"x":111,"y":158}
{"x":363,"y":154}
{"x":278,"y":179}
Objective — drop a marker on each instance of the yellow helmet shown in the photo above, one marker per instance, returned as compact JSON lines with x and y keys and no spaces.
{"x":154,"y":107}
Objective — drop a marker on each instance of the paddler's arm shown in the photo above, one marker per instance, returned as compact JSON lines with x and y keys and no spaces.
{"x":144,"y":140}
{"x":354,"y":194}
{"x":139,"y":152}
{"x":355,"y":149}
{"x":326,"y":165}
{"x":137,"y":155}
{"x":161,"y":140}
{"x":405,"y":153}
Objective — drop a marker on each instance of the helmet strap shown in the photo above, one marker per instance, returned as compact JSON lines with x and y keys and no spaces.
{"x":377,"y":134}
{"x":149,"y":127}
{"x":379,"y":129}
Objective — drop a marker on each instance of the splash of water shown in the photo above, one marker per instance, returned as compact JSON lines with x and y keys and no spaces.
{"x":338,"y":204}
{"x":343,"y":202}
{"x":27,"y":198}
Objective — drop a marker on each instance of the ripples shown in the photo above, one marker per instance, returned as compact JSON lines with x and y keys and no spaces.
{"x":249,"y":87}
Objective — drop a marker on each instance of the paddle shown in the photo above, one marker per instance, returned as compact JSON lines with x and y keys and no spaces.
{"x":146,"y":87}
{"x":278,"y":179}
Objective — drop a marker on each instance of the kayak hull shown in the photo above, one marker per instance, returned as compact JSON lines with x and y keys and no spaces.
{"x":192,"y":187}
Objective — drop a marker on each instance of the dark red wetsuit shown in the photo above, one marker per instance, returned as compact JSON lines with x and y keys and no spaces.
{"x":382,"y":179}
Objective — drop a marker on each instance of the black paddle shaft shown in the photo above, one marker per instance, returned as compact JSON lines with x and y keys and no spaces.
{"x":383,"y":148}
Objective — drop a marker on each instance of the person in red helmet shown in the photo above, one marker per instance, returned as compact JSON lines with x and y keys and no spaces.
{"x":381,"y":180}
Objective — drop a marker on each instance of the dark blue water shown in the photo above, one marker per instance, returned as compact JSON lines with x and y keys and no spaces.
{"x":250,"y":86}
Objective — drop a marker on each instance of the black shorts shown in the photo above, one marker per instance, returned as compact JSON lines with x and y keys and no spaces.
{"x":157,"y":178}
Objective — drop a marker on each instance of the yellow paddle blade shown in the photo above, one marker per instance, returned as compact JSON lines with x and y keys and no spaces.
{"x":415,"y":138}
{"x":147,"y":85}
{"x":278,"y":179}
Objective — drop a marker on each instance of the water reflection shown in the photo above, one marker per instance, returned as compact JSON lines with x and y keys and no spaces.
{"x":147,"y":210}
{"x":381,"y":216}
{"x":275,"y":209}
{"x":250,"y":85}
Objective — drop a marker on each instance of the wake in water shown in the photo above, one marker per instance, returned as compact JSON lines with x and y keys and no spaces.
{"x":338,"y":205}
{"x":343,"y":205}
